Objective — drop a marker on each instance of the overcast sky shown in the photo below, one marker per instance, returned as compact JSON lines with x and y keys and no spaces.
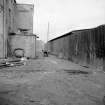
{"x":65,"y":15}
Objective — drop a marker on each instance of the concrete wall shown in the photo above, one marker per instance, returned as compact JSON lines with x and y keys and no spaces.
{"x":25,"y":16}
{"x":22,"y":18}
{"x":6,"y":25}
{"x":86,"y":47}
{"x":14,"y":16}
{"x":25,"y":42}
{"x":11,"y":25}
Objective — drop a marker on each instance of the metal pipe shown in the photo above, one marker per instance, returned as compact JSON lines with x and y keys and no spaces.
{"x":48,"y":31}
{"x":3,"y":28}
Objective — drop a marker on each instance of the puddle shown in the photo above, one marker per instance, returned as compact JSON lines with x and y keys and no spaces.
{"x":76,"y":72}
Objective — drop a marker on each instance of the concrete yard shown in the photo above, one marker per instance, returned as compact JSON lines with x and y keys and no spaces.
{"x":51,"y":81}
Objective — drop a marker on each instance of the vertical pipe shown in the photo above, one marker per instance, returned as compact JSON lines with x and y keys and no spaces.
{"x":3,"y":28}
{"x":35,"y":10}
{"x":103,"y":31}
{"x":35,"y":46}
{"x":48,"y":34}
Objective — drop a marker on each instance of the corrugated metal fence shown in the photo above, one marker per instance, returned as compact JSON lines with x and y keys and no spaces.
{"x":81,"y":46}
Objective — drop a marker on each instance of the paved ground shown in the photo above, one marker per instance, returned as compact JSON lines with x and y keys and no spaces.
{"x":51,"y":81}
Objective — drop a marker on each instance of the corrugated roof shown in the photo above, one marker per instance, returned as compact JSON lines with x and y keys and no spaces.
{"x":69,"y":33}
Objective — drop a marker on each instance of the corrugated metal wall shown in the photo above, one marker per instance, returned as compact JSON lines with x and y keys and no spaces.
{"x":83,"y":46}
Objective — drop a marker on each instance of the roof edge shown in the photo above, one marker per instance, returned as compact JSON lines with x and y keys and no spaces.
{"x":73,"y":31}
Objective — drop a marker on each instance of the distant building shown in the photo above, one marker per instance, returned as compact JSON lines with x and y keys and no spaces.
{"x":39,"y":45}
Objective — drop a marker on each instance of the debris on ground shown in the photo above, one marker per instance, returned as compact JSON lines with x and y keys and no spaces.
{"x":13,"y":62}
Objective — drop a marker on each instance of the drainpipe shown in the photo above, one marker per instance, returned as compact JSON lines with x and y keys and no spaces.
{"x":35,"y":46}
{"x":4,"y":31}
{"x":3,"y":28}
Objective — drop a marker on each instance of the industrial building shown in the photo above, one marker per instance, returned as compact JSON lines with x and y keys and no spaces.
{"x":16,"y":28}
